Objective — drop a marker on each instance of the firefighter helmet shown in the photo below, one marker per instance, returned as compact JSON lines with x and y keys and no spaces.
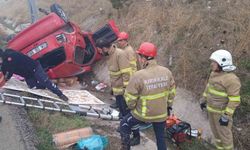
{"x":123,"y":36}
{"x":147,"y":49}
{"x":224,"y":59}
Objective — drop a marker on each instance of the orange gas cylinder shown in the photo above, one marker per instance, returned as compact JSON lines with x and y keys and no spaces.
{"x":171,"y":120}
{"x":65,"y":139}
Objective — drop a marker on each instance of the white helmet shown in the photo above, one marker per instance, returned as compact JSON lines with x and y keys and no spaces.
{"x":224,"y":59}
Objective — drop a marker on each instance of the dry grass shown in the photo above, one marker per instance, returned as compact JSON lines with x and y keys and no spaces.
{"x":89,"y":14}
{"x":2,"y":33}
{"x":188,"y":31}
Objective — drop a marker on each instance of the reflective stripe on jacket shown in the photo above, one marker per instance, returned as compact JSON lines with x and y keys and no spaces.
{"x":119,"y":70}
{"x":222,"y":92}
{"x":148,"y":94}
{"x":131,"y":56}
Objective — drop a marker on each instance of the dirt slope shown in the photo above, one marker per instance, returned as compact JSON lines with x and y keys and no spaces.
{"x":188,"y":109}
{"x":89,"y":14}
{"x":186,"y":32}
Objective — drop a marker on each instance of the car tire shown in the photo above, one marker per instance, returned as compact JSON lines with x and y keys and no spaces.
{"x":56,"y":8}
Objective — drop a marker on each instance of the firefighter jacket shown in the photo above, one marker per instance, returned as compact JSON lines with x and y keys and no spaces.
{"x":222,"y":92}
{"x":149,"y":92}
{"x":119,"y":70}
{"x":132,"y":57}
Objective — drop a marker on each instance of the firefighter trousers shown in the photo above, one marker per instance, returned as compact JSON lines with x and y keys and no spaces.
{"x":129,"y":122}
{"x":123,"y":108}
{"x":40,"y":80}
{"x":223,"y":134}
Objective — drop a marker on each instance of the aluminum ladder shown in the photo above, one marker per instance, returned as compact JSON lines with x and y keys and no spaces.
{"x":51,"y":105}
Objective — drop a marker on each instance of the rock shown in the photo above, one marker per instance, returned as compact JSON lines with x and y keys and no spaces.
{"x":21,"y":27}
{"x":94,"y":82}
{"x":100,"y":87}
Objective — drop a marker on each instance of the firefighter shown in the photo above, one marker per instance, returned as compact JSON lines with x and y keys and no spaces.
{"x":149,"y":95}
{"x":222,"y":96}
{"x":13,"y":62}
{"x":122,"y":43}
{"x":119,"y":71}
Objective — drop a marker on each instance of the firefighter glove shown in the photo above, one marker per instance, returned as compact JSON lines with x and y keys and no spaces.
{"x":169,"y":110}
{"x":224,"y":120}
{"x":203,"y":105}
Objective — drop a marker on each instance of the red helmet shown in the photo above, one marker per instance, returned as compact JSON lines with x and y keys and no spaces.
{"x":123,"y":36}
{"x":147,"y":49}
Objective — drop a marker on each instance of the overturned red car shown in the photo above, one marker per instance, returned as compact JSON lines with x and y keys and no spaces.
{"x":59,"y":45}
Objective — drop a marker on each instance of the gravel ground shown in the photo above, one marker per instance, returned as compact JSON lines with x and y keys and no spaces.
{"x":10,"y":137}
{"x":16,"y":131}
{"x":187,"y":108}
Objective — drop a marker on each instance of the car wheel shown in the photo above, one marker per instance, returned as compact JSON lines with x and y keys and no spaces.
{"x":59,"y":11}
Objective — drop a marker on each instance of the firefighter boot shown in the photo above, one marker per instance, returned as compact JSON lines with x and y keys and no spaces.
{"x":135,"y":141}
{"x":125,"y":141}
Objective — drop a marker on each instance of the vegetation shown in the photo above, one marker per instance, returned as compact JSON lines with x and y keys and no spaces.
{"x":196,"y":144}
{"x":2,"y":42}
{"x":47,"y":123}
{"x":118,"y":4}
{"x":186,"y":33}
{"x":242,"y":114}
